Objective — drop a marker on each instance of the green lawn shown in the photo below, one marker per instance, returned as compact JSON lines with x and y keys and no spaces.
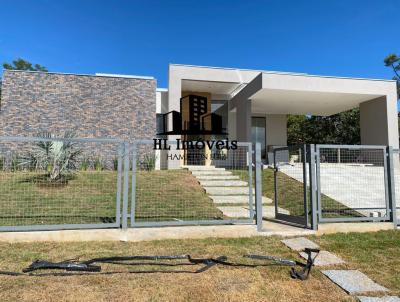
{"x":375,"y":254}
{"x":90,"y":197}
{"x":172,"y":195}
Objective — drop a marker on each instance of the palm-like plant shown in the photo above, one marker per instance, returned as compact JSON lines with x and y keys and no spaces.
{"x":55,"y":156}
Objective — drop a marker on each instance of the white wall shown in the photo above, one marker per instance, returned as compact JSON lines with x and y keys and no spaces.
{"x":161,"y":107}
{"x":276,"y":129}
{"x":379,"y":122}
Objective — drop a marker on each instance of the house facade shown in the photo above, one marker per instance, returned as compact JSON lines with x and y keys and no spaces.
{"x":247,"y":105}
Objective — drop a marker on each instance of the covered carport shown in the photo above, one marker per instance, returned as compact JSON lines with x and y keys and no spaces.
{"x":279,"y":94}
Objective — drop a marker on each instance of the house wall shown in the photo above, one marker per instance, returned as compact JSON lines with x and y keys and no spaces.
{"x":378,"y":122}
{"x":161,"y":107}
{"x":91,"y":106}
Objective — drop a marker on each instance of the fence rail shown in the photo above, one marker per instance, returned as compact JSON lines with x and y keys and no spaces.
{"x":49,"y":183}
{"x":59,"y":183}
{"x":352,"y":183}
{"x":215,"y":188}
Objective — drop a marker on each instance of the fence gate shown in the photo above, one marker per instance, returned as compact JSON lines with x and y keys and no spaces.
{"x":290,"y":181}
{"x":353,"y":183}
{"x":165,"y":191}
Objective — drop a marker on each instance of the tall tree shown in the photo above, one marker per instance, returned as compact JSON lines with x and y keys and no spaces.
{"x":393,"y":61}
{"x":341,"y":128}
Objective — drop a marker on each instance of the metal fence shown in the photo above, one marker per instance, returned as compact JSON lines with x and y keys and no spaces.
{"x":352,"y":183}
{"x":55,"y":183}
{"x":395,"y":182}
{"x":215,"y":186}
{"x":291,"y":184}
{"x":49,"y":183}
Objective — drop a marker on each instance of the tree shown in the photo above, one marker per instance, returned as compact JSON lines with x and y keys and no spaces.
{"x":393,"y":61}
{"x":21,"y":64}
{"x":341,"y":128}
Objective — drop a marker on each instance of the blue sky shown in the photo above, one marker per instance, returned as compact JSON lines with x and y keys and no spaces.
{"x":341,"y":38}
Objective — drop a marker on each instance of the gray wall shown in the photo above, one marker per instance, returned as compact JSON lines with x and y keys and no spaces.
{"x":92,"y":106}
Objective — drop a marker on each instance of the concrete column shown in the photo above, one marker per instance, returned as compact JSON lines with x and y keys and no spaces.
{"x":243,"y":120}
{"x":379,"y":123}
{"x":174,"y":96}
{"x":276,"y":129}
{"x":232,"y":124}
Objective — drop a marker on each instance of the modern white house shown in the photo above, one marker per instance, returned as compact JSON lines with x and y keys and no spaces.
{"x":249,"y":105}
{"x":225,"y":105}
{"x":254,"y":104}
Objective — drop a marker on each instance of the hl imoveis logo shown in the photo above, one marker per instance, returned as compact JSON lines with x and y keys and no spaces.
{"x":196,"y":124}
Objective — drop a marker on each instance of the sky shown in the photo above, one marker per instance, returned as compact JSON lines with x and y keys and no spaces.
{"x":339,"y":38}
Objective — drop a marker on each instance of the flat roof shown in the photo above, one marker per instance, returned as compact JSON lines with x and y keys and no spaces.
{"x":86,"y":74}
{"x":282,"y":72}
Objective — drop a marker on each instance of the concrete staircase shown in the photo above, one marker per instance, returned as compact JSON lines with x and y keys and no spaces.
{"x":228,"y":191}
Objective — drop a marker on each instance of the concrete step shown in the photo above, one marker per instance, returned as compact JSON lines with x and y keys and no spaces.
{"x":203,"y":168}
{"x":244,"y":199}
{"x":223,"y":183}
{"x":217,"y":177}
{"x":211,"y":172}
{"x":227,"y":190}
{"x":244,"y":212}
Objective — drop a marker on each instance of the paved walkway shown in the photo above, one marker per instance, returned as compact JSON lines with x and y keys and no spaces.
{"x":230,"y":194}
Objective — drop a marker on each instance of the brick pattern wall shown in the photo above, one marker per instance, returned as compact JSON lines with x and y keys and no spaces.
{"x":91,"y":106}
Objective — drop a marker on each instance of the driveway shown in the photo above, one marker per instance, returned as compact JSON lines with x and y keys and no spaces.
{"x":354,"y":185}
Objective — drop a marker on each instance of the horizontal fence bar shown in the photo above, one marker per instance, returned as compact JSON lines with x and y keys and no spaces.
{"x":191,"y":223}
{"x":351,"y":147}
{"x":354,"y":219}
{"x":55,"y":227}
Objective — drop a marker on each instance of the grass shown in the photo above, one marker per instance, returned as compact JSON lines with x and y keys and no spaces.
{"x":90,"y":197}
{"x":171,"y":195}
{"x":376,"y":254}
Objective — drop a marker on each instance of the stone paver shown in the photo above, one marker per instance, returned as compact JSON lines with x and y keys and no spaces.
{"x":299,"y":243}
{"x":353,"y":281}
{"x":223,"y":183}
{"x":203,"y":168}
{"x":227,"y":190}
{"x":211,"y":172}
{"x":244,"y":199}
{"x":324,"y":258}
{"x":218,"y":177}
{"x":379,"y":299}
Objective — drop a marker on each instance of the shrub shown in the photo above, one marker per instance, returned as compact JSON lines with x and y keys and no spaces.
{"x":148,"y":162}
{"x":84,"y":164}
{"x":98,"y":164}
{"x":55,"y":157}
{"x":2,"y":163}
{"x":115,"y":164}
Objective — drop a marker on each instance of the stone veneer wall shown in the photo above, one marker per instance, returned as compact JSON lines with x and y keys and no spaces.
{"x":91,"y":106}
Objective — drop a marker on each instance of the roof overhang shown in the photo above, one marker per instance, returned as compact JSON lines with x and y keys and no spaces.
{"x":316,"y":95}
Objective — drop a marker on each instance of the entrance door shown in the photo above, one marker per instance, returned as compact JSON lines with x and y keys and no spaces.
{"x":290,"y":180}
{"x":258,"y":133}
